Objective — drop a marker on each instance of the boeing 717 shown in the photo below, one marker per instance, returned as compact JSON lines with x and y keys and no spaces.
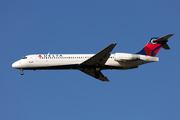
{"x":92,"y":64}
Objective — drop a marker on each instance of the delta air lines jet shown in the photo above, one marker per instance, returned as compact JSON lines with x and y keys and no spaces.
{"x":92,"y":64}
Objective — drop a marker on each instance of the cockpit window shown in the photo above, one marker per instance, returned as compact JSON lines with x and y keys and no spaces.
{"x":24,"y":57}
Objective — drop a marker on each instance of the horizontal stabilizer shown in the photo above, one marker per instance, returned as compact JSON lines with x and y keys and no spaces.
{"x":166,"y":46}
{"x":163,"y":39}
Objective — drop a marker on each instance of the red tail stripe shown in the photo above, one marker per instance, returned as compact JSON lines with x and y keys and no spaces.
{"x":150,"y":47}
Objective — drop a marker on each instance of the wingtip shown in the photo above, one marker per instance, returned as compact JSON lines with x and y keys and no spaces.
{"x":114,"y":43}
{"x":171,"y":34}
{"x":105,"y":79}
{"x":168,"y":36}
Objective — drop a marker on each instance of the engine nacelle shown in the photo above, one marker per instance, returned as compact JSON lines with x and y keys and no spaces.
{"x":125,"y":56}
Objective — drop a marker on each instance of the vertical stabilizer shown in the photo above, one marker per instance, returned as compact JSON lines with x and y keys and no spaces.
{"x":154,"y":45}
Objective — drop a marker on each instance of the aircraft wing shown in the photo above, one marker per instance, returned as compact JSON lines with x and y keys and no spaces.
{"x":93,"y":65}
{"x":93,"y":74}
{"x":99,"y":58}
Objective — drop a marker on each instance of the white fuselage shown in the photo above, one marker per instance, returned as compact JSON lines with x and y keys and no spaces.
{"x":92,"y":64}
{"x":73,"y":61}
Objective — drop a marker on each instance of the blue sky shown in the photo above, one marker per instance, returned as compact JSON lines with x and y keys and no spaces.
{"x":81,"y":26}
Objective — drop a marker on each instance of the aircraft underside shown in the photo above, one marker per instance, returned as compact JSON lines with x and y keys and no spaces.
{"x":76,"y":66}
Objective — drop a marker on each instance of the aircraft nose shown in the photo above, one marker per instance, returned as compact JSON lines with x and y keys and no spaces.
{"x":16,"y":64}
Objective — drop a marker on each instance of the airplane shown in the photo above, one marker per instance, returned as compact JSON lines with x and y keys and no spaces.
{"x":92,"y":64}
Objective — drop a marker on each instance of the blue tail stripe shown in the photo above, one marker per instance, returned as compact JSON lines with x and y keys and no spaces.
{"x":155,"y":50}
{"x":142,"y":52}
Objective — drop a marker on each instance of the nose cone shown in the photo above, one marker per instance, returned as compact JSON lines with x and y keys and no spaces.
{"x":16,"y":65}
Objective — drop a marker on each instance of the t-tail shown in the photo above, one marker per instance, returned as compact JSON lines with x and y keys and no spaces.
{"x":154,"y":45}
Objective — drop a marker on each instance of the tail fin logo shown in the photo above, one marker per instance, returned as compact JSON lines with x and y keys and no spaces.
{"x":154,"y":45}
{"x":152,"y":40}
{"x":152,"y":49}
